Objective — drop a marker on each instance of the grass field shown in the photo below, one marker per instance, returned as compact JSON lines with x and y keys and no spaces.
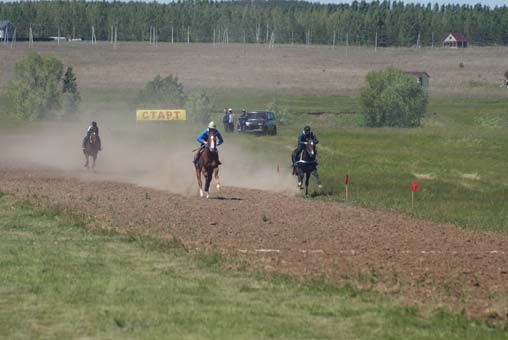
{"x":458,"y":157}
{"x":59,"y":280}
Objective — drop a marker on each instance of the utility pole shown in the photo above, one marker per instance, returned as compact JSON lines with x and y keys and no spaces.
{"x":333,"y":39}
{"x":30,"y":37}
{"x":418,"y":41}
{"x":375,"y":43}
{"x":188,"y":35}
{"x":172,"y":36}
{"x":116,"y":37}
{"x":432,"y":39}
{"x":214,"y":37}
{"x":347,"y":43}
{"x":13,"y":38}
{"x":94,"y":38}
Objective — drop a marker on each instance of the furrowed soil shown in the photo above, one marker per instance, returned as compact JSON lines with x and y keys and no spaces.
{"x":415,"y":261}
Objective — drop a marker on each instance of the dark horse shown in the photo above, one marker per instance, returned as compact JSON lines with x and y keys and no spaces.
{"x":208,"y":165}
{"x":306,"y":165}
{"x":91,"y":149}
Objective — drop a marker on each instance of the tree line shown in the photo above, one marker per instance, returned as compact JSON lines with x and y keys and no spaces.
{"x":359,"y":23}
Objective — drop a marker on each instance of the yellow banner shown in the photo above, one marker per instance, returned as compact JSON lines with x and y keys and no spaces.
{"x":159,"y":115}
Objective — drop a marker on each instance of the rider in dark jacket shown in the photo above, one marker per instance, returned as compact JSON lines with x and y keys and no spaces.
{"x":305,"y":136}
{"x":91,"y":129}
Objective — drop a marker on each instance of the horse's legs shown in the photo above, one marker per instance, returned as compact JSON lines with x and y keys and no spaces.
{"x":216,"y":175}
{"x":86,"y":160}
{"x":307,"y":177}
{"x":315,"y":173}
{"x":208,"y":179}
{"x":200,"y":183}
{"x":300,"y":174}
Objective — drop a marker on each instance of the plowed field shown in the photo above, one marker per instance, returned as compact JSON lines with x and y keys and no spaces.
{"x":418,"y":262}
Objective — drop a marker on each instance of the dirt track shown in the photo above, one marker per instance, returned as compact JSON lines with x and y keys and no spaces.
{"x":413,"y":260}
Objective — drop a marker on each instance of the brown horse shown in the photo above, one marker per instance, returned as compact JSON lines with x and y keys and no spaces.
{"x":208,"y":165}
{"x":91,"y":149}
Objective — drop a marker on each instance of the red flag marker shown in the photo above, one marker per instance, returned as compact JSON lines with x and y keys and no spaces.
{"x":414,"y":188}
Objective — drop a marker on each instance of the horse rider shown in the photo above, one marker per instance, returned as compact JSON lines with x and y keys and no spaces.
{"x":242,"y":119}
{"x":91,"y":129}
{"x":305,"y":136}
{"x":203,"y":140}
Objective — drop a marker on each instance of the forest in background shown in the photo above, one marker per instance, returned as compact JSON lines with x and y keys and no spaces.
{"x":359,"y":23}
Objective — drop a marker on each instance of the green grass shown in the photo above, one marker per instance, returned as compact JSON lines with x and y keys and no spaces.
{"x":459,"y":158}
{"x":60,"y":281}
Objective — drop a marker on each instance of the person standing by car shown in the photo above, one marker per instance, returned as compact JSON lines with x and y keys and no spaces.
{"x":242,"y":120}
{"x":231,"y":120}
{"x":225,"y":120}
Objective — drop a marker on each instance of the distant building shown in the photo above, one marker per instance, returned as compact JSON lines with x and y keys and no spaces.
{"x":455,"y":40}
{"x":421,"y":77}
{"x":6,"y":30}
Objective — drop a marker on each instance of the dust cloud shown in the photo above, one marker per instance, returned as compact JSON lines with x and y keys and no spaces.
{"x":154,"y":156}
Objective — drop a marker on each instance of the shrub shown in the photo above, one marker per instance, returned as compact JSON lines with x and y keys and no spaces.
{"x":164,"y":93}
{"x":198,"y":106}
{"x":281,"y":112}
{"x":71,"y":97}
{"x":393,"y":98}
{"x":34,"y":92}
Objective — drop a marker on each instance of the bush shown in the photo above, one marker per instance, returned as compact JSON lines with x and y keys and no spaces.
{"x":34,"y":92}
{"x":198,"y":106}
{"x":281,"y":112}
{"x":71,"y":97}
{"x":393,"y":98}
{"x":164,"y":93}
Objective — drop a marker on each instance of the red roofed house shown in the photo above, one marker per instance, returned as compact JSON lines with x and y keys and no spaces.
{"x":455,"y":40}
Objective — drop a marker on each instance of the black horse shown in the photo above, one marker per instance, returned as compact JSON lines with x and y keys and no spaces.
{"x":306,"y":166}
{"x":91,"y":149}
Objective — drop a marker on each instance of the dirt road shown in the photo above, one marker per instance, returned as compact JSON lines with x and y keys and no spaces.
{"x":412,"y":260}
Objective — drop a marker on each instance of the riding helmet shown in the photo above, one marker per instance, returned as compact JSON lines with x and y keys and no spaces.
{"x":212,"y":125}
{"x":306,"y":129}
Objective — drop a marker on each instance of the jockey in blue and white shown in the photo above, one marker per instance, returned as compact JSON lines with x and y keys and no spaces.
{"x":203,"y":140}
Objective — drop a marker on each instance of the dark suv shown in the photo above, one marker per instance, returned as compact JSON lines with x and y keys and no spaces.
{"x":260,"y":122}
